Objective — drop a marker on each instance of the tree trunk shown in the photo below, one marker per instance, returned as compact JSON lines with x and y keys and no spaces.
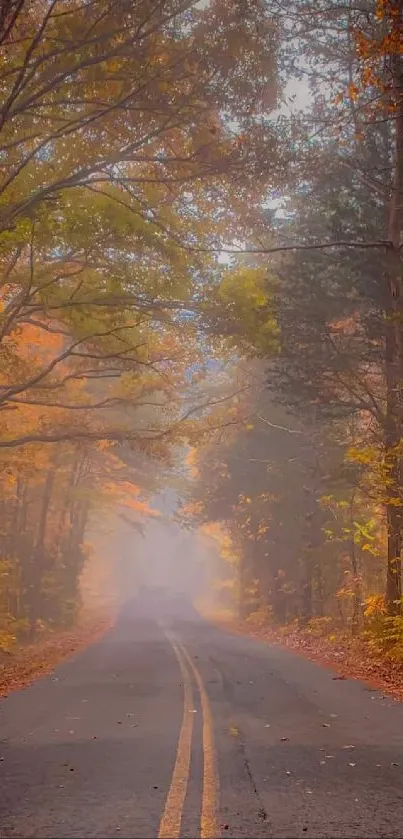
{"x":74,"y":480}
{"x":319,"y":596}
{"x":306,"y":587}
{"x":279,"y":599}
{"x":242,"y":590}
{"x":355,"y":618}
{"x":39,"y":553}
{"x":394,"y":567}
{"x":393,"y":472}
{"x":394,"y":330}
{"x":312,"y":541}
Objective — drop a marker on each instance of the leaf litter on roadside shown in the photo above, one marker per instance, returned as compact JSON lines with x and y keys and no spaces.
{"x":37,"y":660}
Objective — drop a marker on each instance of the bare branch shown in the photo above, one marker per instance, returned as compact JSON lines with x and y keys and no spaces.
{"x":279,"y":427}
{"x":5,"y":392}
{"x":46,"y":327}
{"x":381,"y":243}
{"x":72,"y":435}
{"x":104,"y":403}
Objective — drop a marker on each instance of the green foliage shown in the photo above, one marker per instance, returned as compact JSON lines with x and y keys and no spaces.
{"x":244,"y":310}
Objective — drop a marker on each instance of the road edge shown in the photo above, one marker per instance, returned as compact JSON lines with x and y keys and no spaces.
{"x":35,"y":661}
{"x":375,"y":674}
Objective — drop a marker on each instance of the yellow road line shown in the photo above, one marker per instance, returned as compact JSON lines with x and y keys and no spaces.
{"x":170,"y":824}
{"x":209,"y":825}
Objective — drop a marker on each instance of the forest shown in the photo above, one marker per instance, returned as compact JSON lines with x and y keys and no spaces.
{"x":201,"y":248}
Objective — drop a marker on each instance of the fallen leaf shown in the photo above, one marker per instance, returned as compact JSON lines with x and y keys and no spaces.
{"x":326,"y":725}
{"x":39,"y":659}
{"x":347,"y":656}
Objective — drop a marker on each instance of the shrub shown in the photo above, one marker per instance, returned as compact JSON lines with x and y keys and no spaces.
{"x":383,"y":632}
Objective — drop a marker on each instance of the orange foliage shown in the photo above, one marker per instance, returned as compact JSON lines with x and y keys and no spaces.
{"x":35,"y":345}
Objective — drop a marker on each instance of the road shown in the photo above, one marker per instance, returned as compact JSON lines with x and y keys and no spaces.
{"x":169,"y":727}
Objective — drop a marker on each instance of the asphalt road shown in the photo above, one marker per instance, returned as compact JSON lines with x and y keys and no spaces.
{"x":169,"y":727}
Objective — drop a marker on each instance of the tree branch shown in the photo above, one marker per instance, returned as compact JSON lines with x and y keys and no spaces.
{"x":5,"y":392}
{"x":381,"y":243}
{"x":279,"y":427}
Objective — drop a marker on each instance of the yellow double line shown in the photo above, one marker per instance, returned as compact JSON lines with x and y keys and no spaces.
{"x":172,"y":816}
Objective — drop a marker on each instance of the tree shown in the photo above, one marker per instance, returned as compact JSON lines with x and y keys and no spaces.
{"x":349,"y":356}
{"x":128,"y":97}
{"x":119,"y":155}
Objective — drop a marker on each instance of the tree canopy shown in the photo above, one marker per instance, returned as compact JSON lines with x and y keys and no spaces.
{"x":170,"y":207}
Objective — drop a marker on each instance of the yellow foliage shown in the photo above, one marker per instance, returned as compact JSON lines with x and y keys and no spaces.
{"x":318,"y":626}
{"x":366,"y":455}
{"x":191,"y":462}
{"x":374,"y":605}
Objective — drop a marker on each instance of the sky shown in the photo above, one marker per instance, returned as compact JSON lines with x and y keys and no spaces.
{"x":296,"y":98}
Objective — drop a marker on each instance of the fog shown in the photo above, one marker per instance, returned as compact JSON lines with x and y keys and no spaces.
{"x":123,"y":562}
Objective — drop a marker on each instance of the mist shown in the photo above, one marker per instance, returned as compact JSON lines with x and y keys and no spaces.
{"x":163,"y":559}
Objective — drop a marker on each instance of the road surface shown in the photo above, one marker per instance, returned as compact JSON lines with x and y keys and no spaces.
{"x":169,"y":727}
